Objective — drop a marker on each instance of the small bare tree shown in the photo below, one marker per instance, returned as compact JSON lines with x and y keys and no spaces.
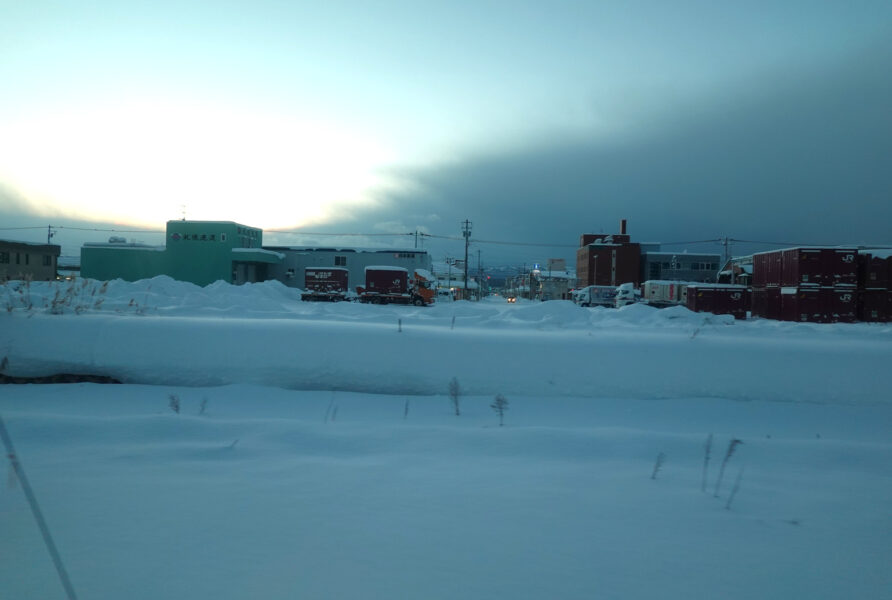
{"x":174,"y":403}
{"x":732,"y":445}
{"x":735,"y":489}
{"x":500,"y":405}
{"x":658,"y":464}
{"x":455,"y":395}
{"x":706,"y":456}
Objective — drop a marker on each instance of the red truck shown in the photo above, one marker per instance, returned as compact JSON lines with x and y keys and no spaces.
{"x":325,"y":284}
{"x":393,"y":285}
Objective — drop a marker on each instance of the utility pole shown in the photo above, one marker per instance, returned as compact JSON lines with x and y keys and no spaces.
{"x":416,"y":238}
{"x":466,"y":231}
{"x":479,"y":277}
{"x":49,"y":233}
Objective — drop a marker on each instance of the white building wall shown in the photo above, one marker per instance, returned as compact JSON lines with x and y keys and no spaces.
{"x":297,"y":259}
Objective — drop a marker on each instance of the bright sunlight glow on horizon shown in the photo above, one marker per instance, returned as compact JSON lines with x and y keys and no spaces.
{"x":145,"y":162}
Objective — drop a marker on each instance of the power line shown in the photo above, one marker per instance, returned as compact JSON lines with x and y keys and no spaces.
{"x":85,"y":229}
{"x":476,"y":241}
{"x":690,"y":243}
{"x":773,"y":243}
{"x":291,"y":232}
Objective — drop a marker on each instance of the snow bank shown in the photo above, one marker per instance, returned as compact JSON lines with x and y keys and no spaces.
{"x":165,"y":332}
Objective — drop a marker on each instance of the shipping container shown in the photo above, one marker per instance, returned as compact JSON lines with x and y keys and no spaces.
{"x":719,"y":299}
{"x":841,"y":304}
{"x":822,"y":267}
{"x":819,"y":305}
{"x":661,"y":293}
{"x":875,"y":306}
{"x":803,"y":304}
{"x":325,"y":283}
{"x":759,"y":271}
{"x":803,"y":267}
{"x":800,"y":267}
{"x":767,"y":269}
{"x":840,"y":267}
{"x":766,"y":303}
{"x":874,"y":272}
{"x":386,"y":280}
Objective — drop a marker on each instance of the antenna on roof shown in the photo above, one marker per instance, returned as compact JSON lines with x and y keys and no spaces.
{"x":183,"y":210}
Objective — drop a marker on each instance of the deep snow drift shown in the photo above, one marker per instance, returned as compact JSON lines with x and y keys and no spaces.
{"x":162,"y":331}
{"x":293,"y":481}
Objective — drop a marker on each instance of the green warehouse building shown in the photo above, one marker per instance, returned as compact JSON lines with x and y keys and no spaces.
{"x":200,"y":252}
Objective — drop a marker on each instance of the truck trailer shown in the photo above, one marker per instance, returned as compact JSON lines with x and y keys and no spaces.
{"x":596,"y":295}
{"x":393,"y":285}
{"x":325,"y":284}
{"x":662,"y":293}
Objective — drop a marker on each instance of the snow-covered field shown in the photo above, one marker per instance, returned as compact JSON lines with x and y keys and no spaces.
{"x":316,"y":452}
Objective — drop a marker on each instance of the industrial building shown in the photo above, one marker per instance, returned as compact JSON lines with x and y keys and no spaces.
{"x":680,"y":266}
{"x":200,"y":252}
{"x":25,"y":260}
{"x":608,"y":259}
{"x":613,"y":259}
{"x":290,"y":269}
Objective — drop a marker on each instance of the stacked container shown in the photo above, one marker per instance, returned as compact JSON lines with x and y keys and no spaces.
{"x":719,"y":299}
{"x":767,"y":272}
{"x":874,"y":285}
{"x":818,"y":285}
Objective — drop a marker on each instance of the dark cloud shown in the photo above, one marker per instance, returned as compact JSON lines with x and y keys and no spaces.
{"x":790,"y":157}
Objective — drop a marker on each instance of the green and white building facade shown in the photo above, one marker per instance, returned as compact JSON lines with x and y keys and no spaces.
{"x":200,"y":252}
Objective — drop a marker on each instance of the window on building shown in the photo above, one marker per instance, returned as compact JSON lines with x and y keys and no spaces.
{"x":27,"y":258}
{"x":222,"y":237}
{"x":340,"y":261}
{"x":18,"y":258}
{"x":695,"y":266}
{"x":47,"y":260}
{"x":4,"y":258}
{"x":654,"y":271}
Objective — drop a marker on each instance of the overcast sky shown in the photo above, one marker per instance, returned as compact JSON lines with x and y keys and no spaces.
{"x":767,"y":121}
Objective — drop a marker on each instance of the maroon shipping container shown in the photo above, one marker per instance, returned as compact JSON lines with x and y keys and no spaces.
{"x":875,"y":306}
{"x":802,"y":266}
{"x":386,"y":280}
{"x":841,"y":304}
{"x":766,"y":303}
{"x":760,"y":271}
{"x":874,"y":272}
{"x":825,"y":267}
{"x":840,"y":266}
{"x":767,"y":269}
{"x":719,"y":299}
{"x":325,"y":280}
{"x":819,"y":305}
{"x":803,"y":304}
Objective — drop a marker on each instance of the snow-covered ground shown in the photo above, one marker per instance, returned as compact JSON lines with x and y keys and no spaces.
{"x":316,"y":452}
